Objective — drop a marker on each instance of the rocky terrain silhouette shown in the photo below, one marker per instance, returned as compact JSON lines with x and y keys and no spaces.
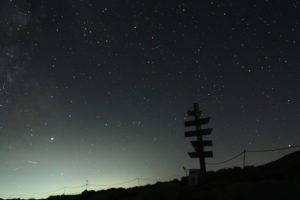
{"x":279,"y":179}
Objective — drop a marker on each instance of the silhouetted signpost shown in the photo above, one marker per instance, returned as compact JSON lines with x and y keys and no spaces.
{"x":200,"y":143}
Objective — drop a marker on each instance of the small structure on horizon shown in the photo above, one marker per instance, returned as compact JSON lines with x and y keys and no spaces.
{"x":200,"y":143}
{"x":193,"y":177}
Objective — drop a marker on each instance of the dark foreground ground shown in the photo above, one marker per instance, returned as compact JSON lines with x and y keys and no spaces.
{"x":276,"y":180}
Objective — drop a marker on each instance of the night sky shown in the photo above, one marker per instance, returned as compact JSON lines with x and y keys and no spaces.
{"x":99,"y":90}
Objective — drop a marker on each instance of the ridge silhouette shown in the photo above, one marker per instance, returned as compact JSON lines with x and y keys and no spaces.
{"x":279,"y":179}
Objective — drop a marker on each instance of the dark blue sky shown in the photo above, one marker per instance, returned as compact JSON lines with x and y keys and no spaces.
{"x":99,"y":90}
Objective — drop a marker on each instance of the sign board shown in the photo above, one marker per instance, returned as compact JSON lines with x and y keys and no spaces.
{"x":201,"y":132}
{"x":197,"y":122}
{"x":207,"y":154}
{"x":198,"y":144}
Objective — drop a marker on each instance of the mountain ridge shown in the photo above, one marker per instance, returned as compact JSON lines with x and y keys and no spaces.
{"x":279,"y":179}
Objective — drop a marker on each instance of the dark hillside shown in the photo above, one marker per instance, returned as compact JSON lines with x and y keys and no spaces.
{"x":279,"y":179}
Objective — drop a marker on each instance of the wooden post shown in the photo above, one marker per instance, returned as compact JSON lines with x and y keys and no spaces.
{"x":244,"y":158}
{"x":199,"y":138}
{"x":199,"y":144}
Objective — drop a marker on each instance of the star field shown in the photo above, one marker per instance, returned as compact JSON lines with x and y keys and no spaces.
{"x":98,"y":90}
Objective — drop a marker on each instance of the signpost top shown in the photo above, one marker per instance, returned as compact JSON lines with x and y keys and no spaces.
{"x":195,"y":112}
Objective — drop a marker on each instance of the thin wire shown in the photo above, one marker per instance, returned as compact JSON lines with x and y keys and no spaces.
{"x":51,"y":192}
{"x":16,"y":195}
{"x":254,"y":151}
{"x":160,"y":179}
{"x":71,"y":187}
{"x":228,"y":160}
{"x":121,"y":183}
{"x":277,"y":149}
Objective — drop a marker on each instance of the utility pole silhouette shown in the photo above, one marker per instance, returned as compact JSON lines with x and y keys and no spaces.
{"x":86,"y":185}
{"x":244,"y":158}
{"x":199,"y":144}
